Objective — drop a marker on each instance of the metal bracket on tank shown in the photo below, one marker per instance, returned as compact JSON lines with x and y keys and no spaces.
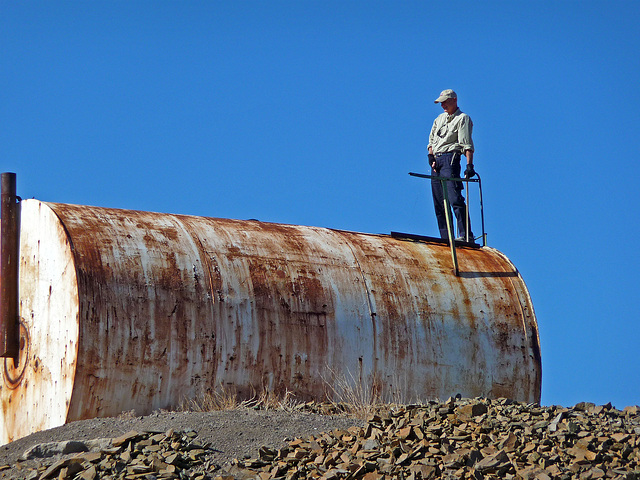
{"x":14,"y":368}
{"x":447,"y":209}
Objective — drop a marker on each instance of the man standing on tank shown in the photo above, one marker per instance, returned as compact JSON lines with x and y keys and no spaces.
{"x":450,"y":138}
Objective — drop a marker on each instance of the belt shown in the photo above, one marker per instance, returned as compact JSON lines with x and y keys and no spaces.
{"x":447,"y":153}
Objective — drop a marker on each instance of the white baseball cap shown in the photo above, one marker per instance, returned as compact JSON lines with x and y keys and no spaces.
{"x":444,"y":95}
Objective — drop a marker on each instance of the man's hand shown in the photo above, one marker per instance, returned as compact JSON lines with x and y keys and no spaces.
{"x":469,"y":172}
{"x":432,"y":160}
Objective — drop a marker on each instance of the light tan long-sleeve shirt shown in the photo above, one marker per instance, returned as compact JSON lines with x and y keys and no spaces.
{"x":451,"y":133}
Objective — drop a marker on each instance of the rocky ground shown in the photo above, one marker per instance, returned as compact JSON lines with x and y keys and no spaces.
{"x":461,"y":438}
{"x":226,"y":435}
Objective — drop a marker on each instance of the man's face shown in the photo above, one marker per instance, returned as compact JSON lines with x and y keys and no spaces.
{"x":450,"y":105}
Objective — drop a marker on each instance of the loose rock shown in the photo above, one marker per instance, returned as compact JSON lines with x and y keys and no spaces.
{"x":474,"y":439}
{"x":462,"y":438}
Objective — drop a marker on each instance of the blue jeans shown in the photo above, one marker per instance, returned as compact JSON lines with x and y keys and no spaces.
{"x":448,"y":165}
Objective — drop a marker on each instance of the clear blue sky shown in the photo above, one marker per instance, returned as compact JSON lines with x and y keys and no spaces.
{"x":314,"y":112}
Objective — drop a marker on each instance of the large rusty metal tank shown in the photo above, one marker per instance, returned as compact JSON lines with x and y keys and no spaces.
{"x":125,"y":310}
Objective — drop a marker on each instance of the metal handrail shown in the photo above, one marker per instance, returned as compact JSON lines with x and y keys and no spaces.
{"x":448,"y":215}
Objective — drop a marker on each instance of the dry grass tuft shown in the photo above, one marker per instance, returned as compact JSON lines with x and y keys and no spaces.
{"x":227,"y":398}
{"x":351,"y":395}
{"x":127,"y":415}
{"x":344,"y":395}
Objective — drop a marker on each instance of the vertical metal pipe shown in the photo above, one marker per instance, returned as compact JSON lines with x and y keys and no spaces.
{"x":9,"y":330}
{"x":466,"y":211}
{"x":484,"y":235}
{"x":450,"y":230}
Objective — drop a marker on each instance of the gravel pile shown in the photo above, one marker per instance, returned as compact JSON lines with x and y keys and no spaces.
{"x":466,"y":439}
{"x":227,"y":434}
{"x":461,"y":438}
